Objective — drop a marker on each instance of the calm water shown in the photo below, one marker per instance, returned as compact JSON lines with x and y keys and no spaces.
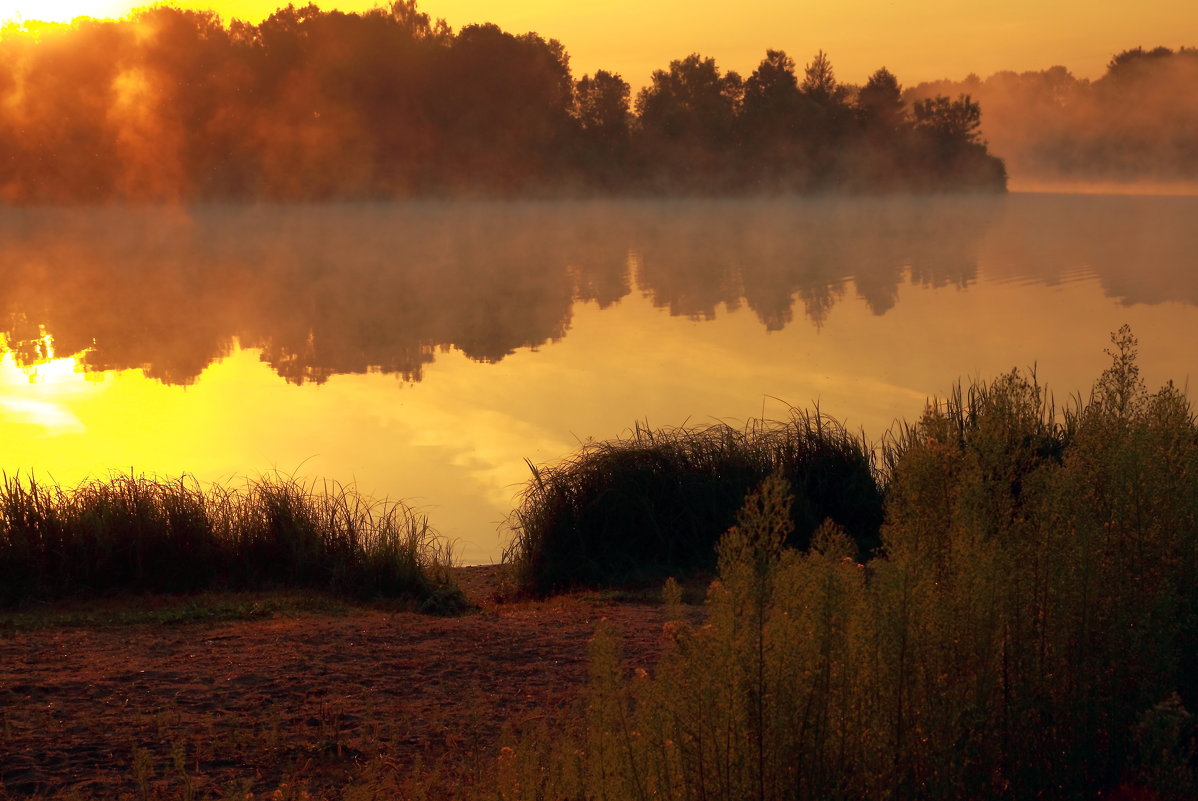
{"x":423,"y":351}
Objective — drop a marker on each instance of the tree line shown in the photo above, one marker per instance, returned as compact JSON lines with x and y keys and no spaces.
{"x":1137,"y":122}
{"x":175,"y":105}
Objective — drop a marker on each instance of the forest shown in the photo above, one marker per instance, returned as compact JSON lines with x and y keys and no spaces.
{"x":1137,"y":122}
{"x":172,"y":105}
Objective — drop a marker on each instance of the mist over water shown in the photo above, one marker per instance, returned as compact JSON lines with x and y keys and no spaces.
{"x":425,"y":349}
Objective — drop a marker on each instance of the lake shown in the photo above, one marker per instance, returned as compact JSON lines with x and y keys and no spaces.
{"x":423,"y":351}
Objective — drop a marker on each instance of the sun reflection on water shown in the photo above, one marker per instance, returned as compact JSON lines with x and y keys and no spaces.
{"x":41,"y":392}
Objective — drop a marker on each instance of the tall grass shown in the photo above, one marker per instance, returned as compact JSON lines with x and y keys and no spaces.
{"x":1029,"y":629}
{"x":136,"y":534}
{"x":656,"y":502}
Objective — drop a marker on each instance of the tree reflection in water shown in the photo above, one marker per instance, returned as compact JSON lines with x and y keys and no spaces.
{"x":354,"y":288}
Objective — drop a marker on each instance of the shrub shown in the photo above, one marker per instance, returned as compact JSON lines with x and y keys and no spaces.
{"x":1027,"y":630}
{"x":655,"y":502}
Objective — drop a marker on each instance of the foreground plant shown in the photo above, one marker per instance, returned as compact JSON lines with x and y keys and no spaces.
{"x":1027,"y":632}
{"x":655,"y":503}
{"x":137,"y":534}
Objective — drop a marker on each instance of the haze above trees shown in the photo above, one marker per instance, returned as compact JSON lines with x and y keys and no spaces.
{"x":1138,"y":122}
{"x":174,"y":105}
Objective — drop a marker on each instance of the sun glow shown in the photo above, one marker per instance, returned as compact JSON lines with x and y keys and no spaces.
{"x":919,"y":41}
{"x":61,"y":10}
{"x":41,"y":394}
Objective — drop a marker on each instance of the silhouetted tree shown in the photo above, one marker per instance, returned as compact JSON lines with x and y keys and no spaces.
{"x":687,"y":121}
{"x":1136,"y":62}
{"x":880,"y":155}
{"x":819,"y":82}
{"x":418,"y":25}
{"x":880,"y":105}
{"x":601,"y":111}
{"x":179,"y":122}
{"x":502,"y":106}
{"x":950,"y":152}
{"x":771,"y":94}
{"x":951,"y":122}
{"x":772,"y":114}
{"x":172,"y":105}
{"x":601,"y":104}
{"x":827,"y":118}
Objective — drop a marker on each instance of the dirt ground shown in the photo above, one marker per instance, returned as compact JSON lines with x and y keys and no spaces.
{"x":118,"y":710}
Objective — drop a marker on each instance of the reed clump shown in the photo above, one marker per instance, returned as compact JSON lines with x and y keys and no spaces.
{"x":655,"y":502}
{"x":140,"y":534}
{"x":1029,"y":629}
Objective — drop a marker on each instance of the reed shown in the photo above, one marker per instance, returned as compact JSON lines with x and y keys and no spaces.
{"x":142,"y":534}
{"x":655,"y":502}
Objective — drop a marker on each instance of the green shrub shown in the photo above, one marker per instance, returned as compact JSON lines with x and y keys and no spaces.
{"x":1032,"y":604}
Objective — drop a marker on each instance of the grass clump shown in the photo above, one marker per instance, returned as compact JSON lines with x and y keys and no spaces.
{"x":137,"y":534}
{"x":1027,"y":631}
{"x":656,"y":502}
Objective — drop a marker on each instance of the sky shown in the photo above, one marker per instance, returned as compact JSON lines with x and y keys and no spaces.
{"x":918,"y":40}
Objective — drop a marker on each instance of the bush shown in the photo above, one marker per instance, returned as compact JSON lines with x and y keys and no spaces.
{"x":1027,"y":630}
{"x":656,"y":502}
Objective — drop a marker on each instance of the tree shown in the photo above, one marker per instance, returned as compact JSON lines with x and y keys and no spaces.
{"x":1136,"y":62}
{"x":67,"y":149}
{"x":949,"y":150}
{"x":772,"y":114}
{"x":171,"y":104}
{"x":950,"y":122}
{"x":772,"y":100}
{"x":687,"y":119}
{"x":827,"y":119}
{"x":600,"y":110}
{"x":819,"y":82}
{"x":880,"y":105}
{"x":692,"y":99}
{"x":502,"y":104}
{"x":601,"y":104}
{"x":183,"y":125}
{"x":417,"y":24}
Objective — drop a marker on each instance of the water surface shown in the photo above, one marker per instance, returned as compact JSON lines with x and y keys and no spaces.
{"x":425,"y":350}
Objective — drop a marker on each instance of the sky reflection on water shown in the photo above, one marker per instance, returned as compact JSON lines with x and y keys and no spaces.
{"x":425,"y":351}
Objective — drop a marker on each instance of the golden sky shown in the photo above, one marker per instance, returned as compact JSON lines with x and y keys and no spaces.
{"x":917,"y":39}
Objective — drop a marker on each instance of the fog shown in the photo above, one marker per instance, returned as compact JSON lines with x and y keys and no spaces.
{"x":354,"y":288}
{"x":1133,"y":129}
{"x":171,"y":106}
